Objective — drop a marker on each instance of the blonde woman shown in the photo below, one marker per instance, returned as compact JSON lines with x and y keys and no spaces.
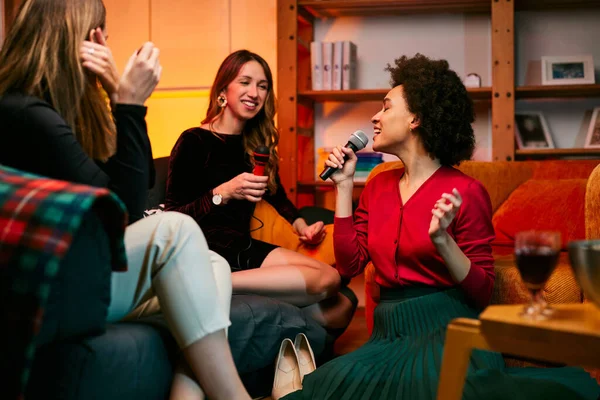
{"x":57,"y":78}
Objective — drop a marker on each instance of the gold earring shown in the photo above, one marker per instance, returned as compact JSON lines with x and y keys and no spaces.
{"x":222,"y":101}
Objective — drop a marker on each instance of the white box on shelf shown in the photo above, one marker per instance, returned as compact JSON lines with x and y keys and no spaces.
{"x":568,"y":70}
{"x":337,"y":65}
{"x":327,"y":65}
{"x":316,"y":65}
{"x":349,"y":60}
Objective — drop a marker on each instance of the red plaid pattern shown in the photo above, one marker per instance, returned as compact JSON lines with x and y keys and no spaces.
{"x":38,"y":218}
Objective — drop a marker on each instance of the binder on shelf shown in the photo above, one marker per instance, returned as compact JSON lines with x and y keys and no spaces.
{"x":337,"y":65}
{"x":327,"y":65}
{"x":349,"y":60}
{"x":316,"y":64}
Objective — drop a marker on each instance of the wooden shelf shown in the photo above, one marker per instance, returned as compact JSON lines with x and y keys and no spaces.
{"x":521,"y":5}
{"x":547,"y":153}
{"x":337,"y":8}
{"x":557,"y":91}
{"x":358,"y":95}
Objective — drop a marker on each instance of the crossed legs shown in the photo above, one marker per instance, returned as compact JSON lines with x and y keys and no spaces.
{"x":168,"y":258}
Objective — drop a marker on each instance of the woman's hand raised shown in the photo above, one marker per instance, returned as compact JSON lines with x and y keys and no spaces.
{"x":245,"y":186}
{"x":141,"y":75}
{"x":443,"y":214}
{"x":97,"y":57}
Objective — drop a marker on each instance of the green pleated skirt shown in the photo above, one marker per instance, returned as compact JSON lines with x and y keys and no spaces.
{"x":403,"y":357}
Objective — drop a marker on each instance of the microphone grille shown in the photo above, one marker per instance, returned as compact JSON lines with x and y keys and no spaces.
{"x":359,"y":139}
{"x":262,"y":149}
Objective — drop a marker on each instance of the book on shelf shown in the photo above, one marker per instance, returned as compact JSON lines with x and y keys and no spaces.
{"x":349,"y":64}
{"x":333,"y":65}
{"x":337,"y":65}
{"x":316,"y":64}
{"x":327,"y":65}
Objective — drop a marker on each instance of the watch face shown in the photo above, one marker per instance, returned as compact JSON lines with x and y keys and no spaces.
{"x":217,"y":199}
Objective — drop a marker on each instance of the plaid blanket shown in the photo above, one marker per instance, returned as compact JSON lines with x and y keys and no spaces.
{"x":38,"y":218}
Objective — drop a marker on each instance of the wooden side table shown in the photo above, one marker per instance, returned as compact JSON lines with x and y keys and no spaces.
{"x":570,"y":336}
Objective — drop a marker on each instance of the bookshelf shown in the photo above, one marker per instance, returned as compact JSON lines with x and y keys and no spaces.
{"x":296,"y":116}
{"x":359,"y":95}
{"x":558,"y":91}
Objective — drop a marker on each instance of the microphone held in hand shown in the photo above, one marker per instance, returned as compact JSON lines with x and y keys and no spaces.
{"x":261,"y":158}
{"x":357,"y":141}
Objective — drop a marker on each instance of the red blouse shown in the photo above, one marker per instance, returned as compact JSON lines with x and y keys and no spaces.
{"x":394,"y":235}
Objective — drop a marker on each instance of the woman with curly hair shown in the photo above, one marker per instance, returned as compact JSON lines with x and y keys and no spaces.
{"x":427,"y":228}
{"x":210,"y":178}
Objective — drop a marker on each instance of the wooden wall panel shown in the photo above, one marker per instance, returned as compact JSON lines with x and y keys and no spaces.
{"x":254,"y":27}
{"x":194,"y":38}
{"x":128,"y":28}
{"x":503,"y":81}
{"x":287,"y":29}
{"x":170,"y":113}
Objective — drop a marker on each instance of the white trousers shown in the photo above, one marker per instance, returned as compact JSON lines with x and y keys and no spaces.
{"x":171,"y":269}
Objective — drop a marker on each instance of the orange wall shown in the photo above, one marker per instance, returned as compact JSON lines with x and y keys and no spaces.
{"x":194,"y":36}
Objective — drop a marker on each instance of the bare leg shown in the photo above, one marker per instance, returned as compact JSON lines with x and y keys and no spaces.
{"x":332,"y":313}
{"x":289,"y":276}
{"x":185,"y":386}
{"x":212,"y":363}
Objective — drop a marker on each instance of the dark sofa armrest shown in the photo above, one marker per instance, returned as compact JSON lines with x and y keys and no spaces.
{"x":80,"y":294}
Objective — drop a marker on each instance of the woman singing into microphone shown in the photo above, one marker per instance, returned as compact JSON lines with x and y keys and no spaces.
{"x":210,"y":178}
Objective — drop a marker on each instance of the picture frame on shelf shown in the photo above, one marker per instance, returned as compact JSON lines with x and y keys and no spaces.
{"x":531,"y":131}
{"x":592,"y":139}
{"x":568,"y":70}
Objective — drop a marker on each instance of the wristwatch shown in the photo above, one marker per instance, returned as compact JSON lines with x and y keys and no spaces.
{"x":217,"y":199}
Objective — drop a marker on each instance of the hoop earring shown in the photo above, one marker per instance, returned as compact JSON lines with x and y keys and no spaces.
{"x":222,"y":101}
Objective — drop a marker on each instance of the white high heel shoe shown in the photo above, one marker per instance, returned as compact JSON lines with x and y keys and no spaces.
{"x":287,"y":371}
{"x":306,"y":357}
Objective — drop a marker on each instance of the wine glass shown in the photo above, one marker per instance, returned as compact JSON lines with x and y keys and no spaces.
{"x":537,"y":255}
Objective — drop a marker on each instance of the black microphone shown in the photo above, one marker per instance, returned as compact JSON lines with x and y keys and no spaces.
{"x":261,"y":158}
{"x":357,"y":141}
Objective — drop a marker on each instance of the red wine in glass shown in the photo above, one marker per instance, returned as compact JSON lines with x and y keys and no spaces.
{"x":536,"y":254}
{"x":536,"y":266}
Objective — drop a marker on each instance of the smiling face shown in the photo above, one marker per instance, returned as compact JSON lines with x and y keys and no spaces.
{"x":247,"y":93}
{"x":393,"y":123}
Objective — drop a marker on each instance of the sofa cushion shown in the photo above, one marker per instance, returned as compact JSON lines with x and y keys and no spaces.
{"x":156,"y":195}
{"x":564,"y":169}
{"x":271,"y":227}
{"x":499,"y":178}
{"x":129,"y":361}
{"x":543,"y":204}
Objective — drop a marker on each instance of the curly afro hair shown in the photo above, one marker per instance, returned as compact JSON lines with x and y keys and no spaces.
{"x":436,"y":95}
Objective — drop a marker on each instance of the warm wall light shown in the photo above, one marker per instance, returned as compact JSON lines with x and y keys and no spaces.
{"x":172,"y":112}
